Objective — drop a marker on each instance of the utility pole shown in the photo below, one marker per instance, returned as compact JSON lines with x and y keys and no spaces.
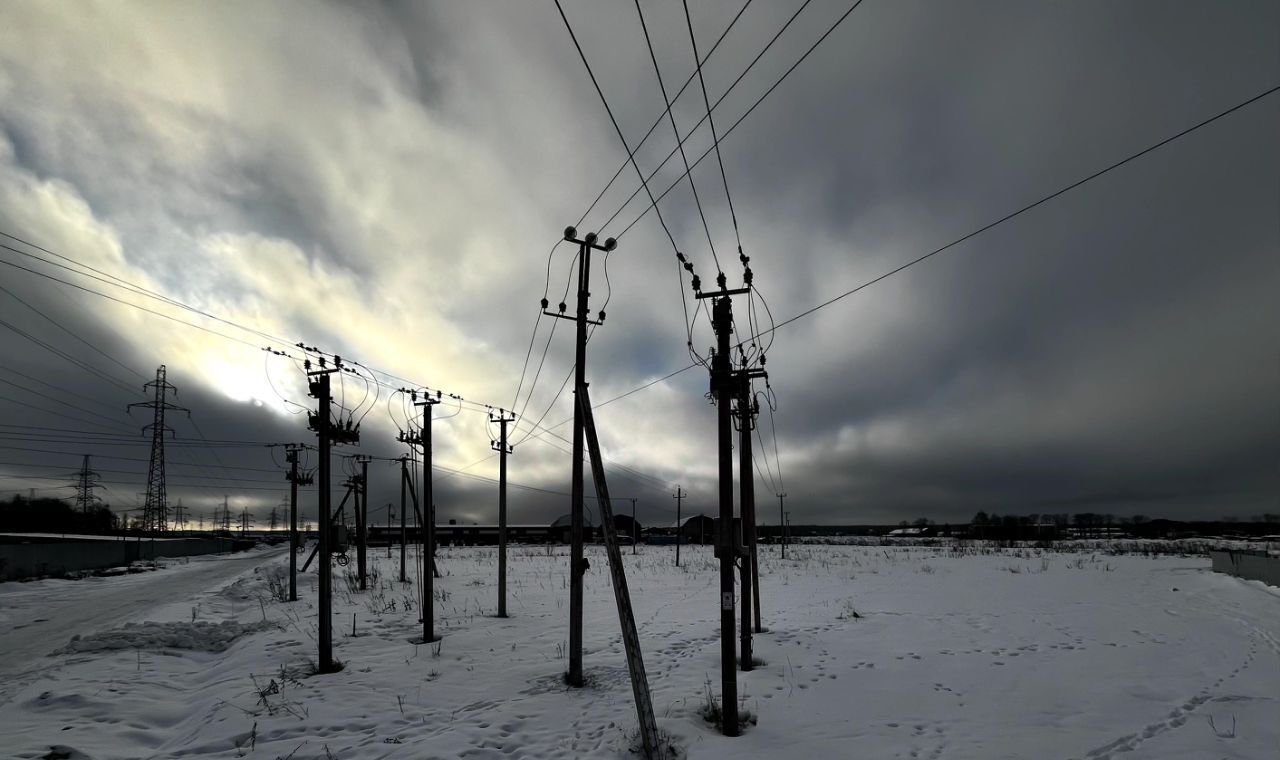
{"x":503,"y":450}
{"x":391,"y":515}
{"x":679,"y":497}
{"x":724,"y":387}
{"x":617,"y":573}
{"x":404,"y":483}
{"x":428,"y":518}
{"x":635,"y":532}
{"x":748,"y":408}
{"x":328,"y":434}
{"x":577,"y":565}
{"x":155,"y":510}
{"x":295,"y":480}
{"x":362,"y":521}
{"x":782,"y":527}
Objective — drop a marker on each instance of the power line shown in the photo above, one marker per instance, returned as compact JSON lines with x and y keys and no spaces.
{"x":720,"y":100}
{"x":697,"y":201}
{"x":693,"y":41}
{"x":1027,"y":207}
{"x":623,"y":166}
{"x":630,"y":153}
{"x":69,"y":332}
{"x":245,"y":468}
{"x":753,"y":107}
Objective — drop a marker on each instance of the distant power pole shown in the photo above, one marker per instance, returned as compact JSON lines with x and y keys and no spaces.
{"x":86,"y":483}
{"x":295,"y":479}
{"x":404,"y":510}
{"x":782,"y":528}
{"x":391,"y":514}
{"x":679,"y":497}
{"x":577,"y":563}
{"x":362,"y":520}
{"x":155,"y":510}
{"x":503,"y":450}
{"x":635,"y":532}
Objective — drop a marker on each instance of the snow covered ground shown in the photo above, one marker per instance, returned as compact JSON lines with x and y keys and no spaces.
{"x":872,"y":652}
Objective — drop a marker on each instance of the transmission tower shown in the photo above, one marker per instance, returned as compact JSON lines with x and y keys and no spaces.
{"x":86,"y":482}
{"x":155,"y":510}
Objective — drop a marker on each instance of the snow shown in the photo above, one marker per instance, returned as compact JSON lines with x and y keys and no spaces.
{"x":877,"y":652}
{"x":201,"y":635}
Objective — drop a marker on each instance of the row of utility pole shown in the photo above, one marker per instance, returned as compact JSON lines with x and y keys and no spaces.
{"x":736,"y":546}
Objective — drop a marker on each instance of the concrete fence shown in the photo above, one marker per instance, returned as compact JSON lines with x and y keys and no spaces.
{"x":55,"y":558}
{"x":1254,"y":565}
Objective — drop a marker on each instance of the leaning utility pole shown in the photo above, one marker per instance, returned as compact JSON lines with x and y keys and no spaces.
{"x":155,"y":510}
{"x":503,"y":449}
{"x":679,"y":497}
{"x":577,"y":563}
{"x":295,"y":480}
{"x":362,"y":520}
{"x":328,"y":434}
{"x":617,"y":573}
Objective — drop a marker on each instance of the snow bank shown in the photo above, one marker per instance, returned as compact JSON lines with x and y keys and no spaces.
{"x":200,"y":636}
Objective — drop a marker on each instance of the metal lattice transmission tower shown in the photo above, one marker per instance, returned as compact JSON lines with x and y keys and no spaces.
{"x":155,"y":510}
{"x":86,"y":483}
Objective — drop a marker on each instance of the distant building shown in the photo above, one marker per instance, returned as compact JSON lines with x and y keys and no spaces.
{"x":916,"y":532}
{"x":561,"y":529}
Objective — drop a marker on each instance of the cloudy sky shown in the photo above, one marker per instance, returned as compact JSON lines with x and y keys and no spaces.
{"x":387,"y":181}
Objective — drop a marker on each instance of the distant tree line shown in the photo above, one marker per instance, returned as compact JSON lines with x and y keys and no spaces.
{"x":43,"y":515}
{"x":1094,"y":525}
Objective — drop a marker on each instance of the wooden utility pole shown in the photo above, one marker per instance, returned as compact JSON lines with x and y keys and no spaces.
{"x":428,"y":519}
{"x":626,"y":617}
{"x":635,"y":531}
{"x":746,"y":483}
{"x":362,"y":521}
{"x":295,"y":479}
{"x":724,"y":387}
{"x":782,"y":527}
{"x":503,"y":449}
{"x":404,"y":483}
{"x":679,"y":497}
{"x":577,"y":563}
{"x":321,"y":424}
